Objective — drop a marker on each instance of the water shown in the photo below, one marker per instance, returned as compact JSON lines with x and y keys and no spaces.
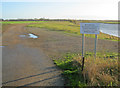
{"x":28,"y":36}
{"x":111,"y":29}
{"x":22,"y":36}
{"x":2,"y":46}
{"x":32,"y":36}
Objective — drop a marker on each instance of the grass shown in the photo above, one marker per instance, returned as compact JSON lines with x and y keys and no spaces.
{"x":66,"y":27}
{"x":19,"y":22}
{"x":69,"y":27}
{"x":102,"y":71}
{"x":112,"y":22}
{"x":95,"y":21}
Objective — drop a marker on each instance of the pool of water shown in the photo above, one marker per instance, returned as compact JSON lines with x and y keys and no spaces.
{"x":22,"y":36}
{"x":32,"y":36}
{"x":2,"y":46}
{"x":29,"y":36}
{"x":111,"y":29}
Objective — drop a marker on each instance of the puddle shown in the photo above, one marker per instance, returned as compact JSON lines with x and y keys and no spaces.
{"x":28,"y":36}
{"x":22,"y":36}
{"x":2,"y":46}
{"x":32,"y":36}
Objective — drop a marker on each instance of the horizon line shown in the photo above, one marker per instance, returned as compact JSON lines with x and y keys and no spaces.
{"x":53,"y":19}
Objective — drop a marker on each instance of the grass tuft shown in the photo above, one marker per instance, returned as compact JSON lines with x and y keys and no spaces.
{"x":101,"y":71}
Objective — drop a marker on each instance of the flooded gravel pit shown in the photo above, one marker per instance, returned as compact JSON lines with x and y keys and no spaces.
{"x":28,"y":36}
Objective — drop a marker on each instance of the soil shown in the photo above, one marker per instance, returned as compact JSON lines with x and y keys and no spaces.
{"x":28,"y":62}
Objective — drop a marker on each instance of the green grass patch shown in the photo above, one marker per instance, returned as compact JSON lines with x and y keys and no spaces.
{"x":102,"y":71}
{"x":62,"y":26}
{"x":19,"y":22}
{"x":69,"y":27}
{"x":112,"y":22}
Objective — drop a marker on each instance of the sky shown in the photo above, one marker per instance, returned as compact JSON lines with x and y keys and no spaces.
{"x":60,"y":9}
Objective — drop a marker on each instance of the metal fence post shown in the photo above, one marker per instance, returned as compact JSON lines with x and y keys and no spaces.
{"x":95,"y":45}
{"x":82,"y":51}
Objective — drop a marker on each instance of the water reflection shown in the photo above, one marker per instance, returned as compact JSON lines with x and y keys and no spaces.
{"x":32,"y":36}
{"x":111,"y":29}
{"x":28,"y":36}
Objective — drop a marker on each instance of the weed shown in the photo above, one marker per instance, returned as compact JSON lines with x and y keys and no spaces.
{"x":102,"y":71}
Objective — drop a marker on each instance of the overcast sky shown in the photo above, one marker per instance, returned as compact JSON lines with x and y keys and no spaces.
{"x":72,"y":9}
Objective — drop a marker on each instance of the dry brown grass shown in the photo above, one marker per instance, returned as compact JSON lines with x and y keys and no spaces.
{"x":99,"y":71}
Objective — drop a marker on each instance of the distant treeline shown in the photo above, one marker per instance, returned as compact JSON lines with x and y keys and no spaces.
{"x":42,"y":19}
{"x":72,"y":20}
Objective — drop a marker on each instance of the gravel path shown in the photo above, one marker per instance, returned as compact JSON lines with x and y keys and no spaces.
{"x":24,"y":65}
